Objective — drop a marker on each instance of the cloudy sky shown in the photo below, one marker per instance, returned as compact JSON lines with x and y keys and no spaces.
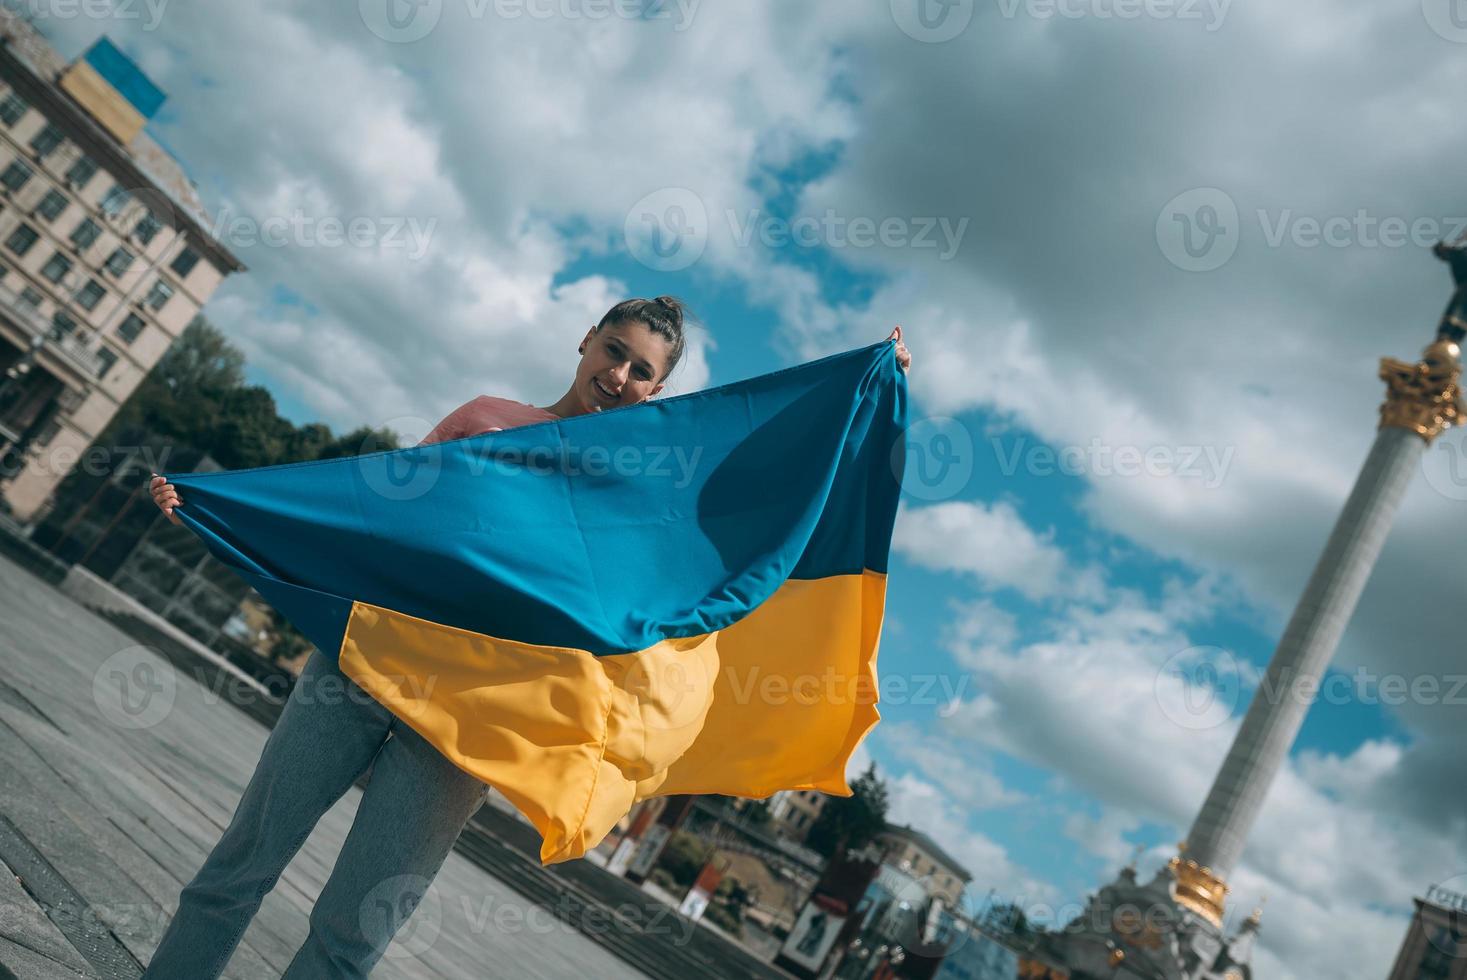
{"x":1174,"y":231}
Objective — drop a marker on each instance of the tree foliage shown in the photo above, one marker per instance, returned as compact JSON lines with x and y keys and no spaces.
{"x":196,"y":396}
{"x":851,"y":821}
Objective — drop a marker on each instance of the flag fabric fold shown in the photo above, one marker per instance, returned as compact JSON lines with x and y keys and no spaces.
{"x":682,"y":596}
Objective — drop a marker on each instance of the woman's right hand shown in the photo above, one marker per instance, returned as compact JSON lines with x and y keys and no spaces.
{"x":166,"y":497}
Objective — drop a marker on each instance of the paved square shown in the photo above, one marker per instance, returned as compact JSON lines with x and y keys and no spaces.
{"x":125,"y":808}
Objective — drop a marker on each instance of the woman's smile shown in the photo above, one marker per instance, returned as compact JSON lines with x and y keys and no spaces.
{"x":603,"y":392}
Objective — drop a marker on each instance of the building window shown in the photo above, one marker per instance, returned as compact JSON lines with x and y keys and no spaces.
{"x":4,"y":272}
{"x":51,"y":205}
{"x":185,"y":262}
{"x":107,"y":357}
{"x":147,"y":228}
{"x":12,"y":108}
{"x":61,"y":325}
{"x":90,"y":295}
{"x":129,"y":328}
{"x":84,"y":234}
{"x":21,"y":239}
{"x":119,"y":260}
{"x":117,"y":199}
{"x":16,"y":175}
{"x":47,"y":433}
{"x":56,"y":267}
{"x":30,"y":297}
{"x":44,"y":142}
{"x":80,"y":172}
{"x":158,"y":295}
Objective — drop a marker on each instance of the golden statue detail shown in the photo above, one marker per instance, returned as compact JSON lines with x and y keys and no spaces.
{"x":1426,"y":397}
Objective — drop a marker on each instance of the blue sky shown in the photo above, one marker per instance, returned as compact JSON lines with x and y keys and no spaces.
{"x":1133,"y":207}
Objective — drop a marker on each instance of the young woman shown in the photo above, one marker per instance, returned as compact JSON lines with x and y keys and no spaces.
{"x":417,"y":801}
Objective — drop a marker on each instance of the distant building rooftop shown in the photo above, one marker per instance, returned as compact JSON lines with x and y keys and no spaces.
{"x":31,"y":49}
{"x":929,"y":845}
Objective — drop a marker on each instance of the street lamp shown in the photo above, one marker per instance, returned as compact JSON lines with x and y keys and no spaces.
{"x":23,"y":363}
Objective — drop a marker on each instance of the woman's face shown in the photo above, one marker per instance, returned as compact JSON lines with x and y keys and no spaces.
{"x":622,"y":365}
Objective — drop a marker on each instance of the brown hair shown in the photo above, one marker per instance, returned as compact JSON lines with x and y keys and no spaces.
{"x":663,"y":316}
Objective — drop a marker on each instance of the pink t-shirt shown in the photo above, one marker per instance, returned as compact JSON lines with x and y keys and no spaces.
{"x":485,"y":414}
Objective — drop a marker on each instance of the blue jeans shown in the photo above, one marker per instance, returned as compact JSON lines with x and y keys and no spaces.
{"x":410,"y":814}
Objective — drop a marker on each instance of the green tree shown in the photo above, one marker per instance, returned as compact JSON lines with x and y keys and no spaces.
{"x":684,"y":856}
{"x":851,"y":821}
{"x":757,"y":812}
{"x":181,"y":396}
{"x":196,"y":396}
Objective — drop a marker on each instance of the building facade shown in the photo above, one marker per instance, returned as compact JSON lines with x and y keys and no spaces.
{"x":105,"y":254}
{"x":794,"y":812}
{"x":918,"y":855}
{"x":1435,"y":947}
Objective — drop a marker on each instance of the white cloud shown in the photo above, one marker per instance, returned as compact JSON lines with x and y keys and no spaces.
{"x":989,"y":541}
{"x":1096,"y":706}
{"x":964,"y":780}
{"x":923,"y":805}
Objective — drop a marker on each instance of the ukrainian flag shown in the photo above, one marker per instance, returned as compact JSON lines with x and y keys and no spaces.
{"x":682,"y":596}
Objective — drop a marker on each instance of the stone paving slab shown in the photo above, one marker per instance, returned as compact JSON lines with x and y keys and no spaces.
{"x":125,"y":813}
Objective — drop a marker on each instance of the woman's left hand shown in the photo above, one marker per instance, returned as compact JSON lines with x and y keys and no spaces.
{"x":904,"y":356}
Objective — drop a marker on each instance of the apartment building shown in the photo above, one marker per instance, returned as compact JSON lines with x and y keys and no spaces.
{"x":915,"y":853}
{"x":106,"y":254}
{"x":794,"y":812}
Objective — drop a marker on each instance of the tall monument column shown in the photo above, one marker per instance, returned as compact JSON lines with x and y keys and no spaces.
{"x":1171,"y":927}
{"x":1422,"y":399}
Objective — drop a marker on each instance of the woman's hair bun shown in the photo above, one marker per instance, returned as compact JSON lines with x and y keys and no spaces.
{"x":673,"y":305}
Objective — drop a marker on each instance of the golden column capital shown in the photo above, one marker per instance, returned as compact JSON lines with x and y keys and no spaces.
{"x":1198,"y":889}
{"x":1425,"y":397}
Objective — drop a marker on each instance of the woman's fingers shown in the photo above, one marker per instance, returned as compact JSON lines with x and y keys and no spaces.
{"x":904,"y":357}
{"x":165,"y":495}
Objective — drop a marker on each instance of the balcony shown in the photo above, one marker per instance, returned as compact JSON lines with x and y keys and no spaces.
{"x":75,"y":353}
